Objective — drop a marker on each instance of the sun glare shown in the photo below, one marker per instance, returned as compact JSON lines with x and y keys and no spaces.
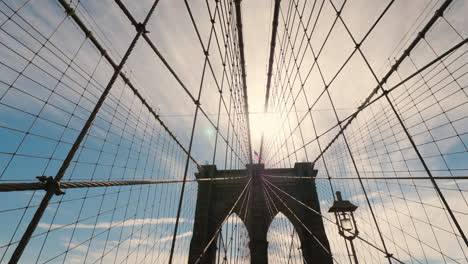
{"x":267,"y":124}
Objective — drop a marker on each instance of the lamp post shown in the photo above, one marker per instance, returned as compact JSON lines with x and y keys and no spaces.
{"x":343,"y":210}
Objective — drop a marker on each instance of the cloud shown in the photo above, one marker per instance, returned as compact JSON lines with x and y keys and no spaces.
{"x":412,"y":231}
{"x":127,"y":223}
{"x":283,"y":241}
{"x":169,"y":238}
{"x":140,"y":242}
{"x":173,"y":33}
{"x":161,"y":252}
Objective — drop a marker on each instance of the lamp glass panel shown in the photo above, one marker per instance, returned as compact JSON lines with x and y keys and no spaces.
{"x":346,"y":224}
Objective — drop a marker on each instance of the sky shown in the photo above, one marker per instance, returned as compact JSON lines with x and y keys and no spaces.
{"x":51,"y":76}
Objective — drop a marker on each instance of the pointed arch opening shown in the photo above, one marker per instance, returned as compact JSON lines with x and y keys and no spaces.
{"x":233,"y":242}
{"x":284,"y":245}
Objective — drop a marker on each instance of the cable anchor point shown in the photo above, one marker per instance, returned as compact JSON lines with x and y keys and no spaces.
{"x":51,"y":185}
{"x":140,"y":27}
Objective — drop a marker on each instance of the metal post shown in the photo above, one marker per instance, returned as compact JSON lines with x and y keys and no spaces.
{"x":353,"y":250}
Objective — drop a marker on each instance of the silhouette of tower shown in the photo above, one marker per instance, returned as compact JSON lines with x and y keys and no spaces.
{"x":216,"y":199}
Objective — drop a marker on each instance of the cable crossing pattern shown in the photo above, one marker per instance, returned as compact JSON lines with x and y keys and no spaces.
{"x":111,"y":110}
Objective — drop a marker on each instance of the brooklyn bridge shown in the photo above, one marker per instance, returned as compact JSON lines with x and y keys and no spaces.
{"x":229,"y":131}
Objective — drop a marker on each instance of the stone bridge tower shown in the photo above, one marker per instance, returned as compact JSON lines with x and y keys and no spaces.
{"x":216,"y":198}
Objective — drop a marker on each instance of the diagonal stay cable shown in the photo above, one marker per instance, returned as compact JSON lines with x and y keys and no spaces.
{"x":247,"y":187}
{"x":51,"y":191}
{"x":329,"y":220}
{"x":176,"y":76}
{"x":172,"y":71}
{"x":272,"y":209}
{"x":421,"y":35}
{"x":299,"y":220}
{"x":368,"y":101}
{"x":347,"y":120}
{"x":122,"y":75}
{"x":194,"y":123}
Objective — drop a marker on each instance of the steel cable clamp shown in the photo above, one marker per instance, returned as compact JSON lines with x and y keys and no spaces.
{"x":51,"y":185}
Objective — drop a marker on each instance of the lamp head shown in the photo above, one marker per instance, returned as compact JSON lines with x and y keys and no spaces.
{"x":342,"y":206}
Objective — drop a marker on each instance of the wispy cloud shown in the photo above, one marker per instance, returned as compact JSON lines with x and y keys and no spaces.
{"x":128,"y":223}
{"x":169,"y":238}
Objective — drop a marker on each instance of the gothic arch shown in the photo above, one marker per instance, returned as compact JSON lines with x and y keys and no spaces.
{"x":215,"y":199}
{"x":233,"y":233}
{"x":279,"y":239}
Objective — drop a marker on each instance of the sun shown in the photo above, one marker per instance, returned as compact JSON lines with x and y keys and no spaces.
{"x":266,"y":124}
